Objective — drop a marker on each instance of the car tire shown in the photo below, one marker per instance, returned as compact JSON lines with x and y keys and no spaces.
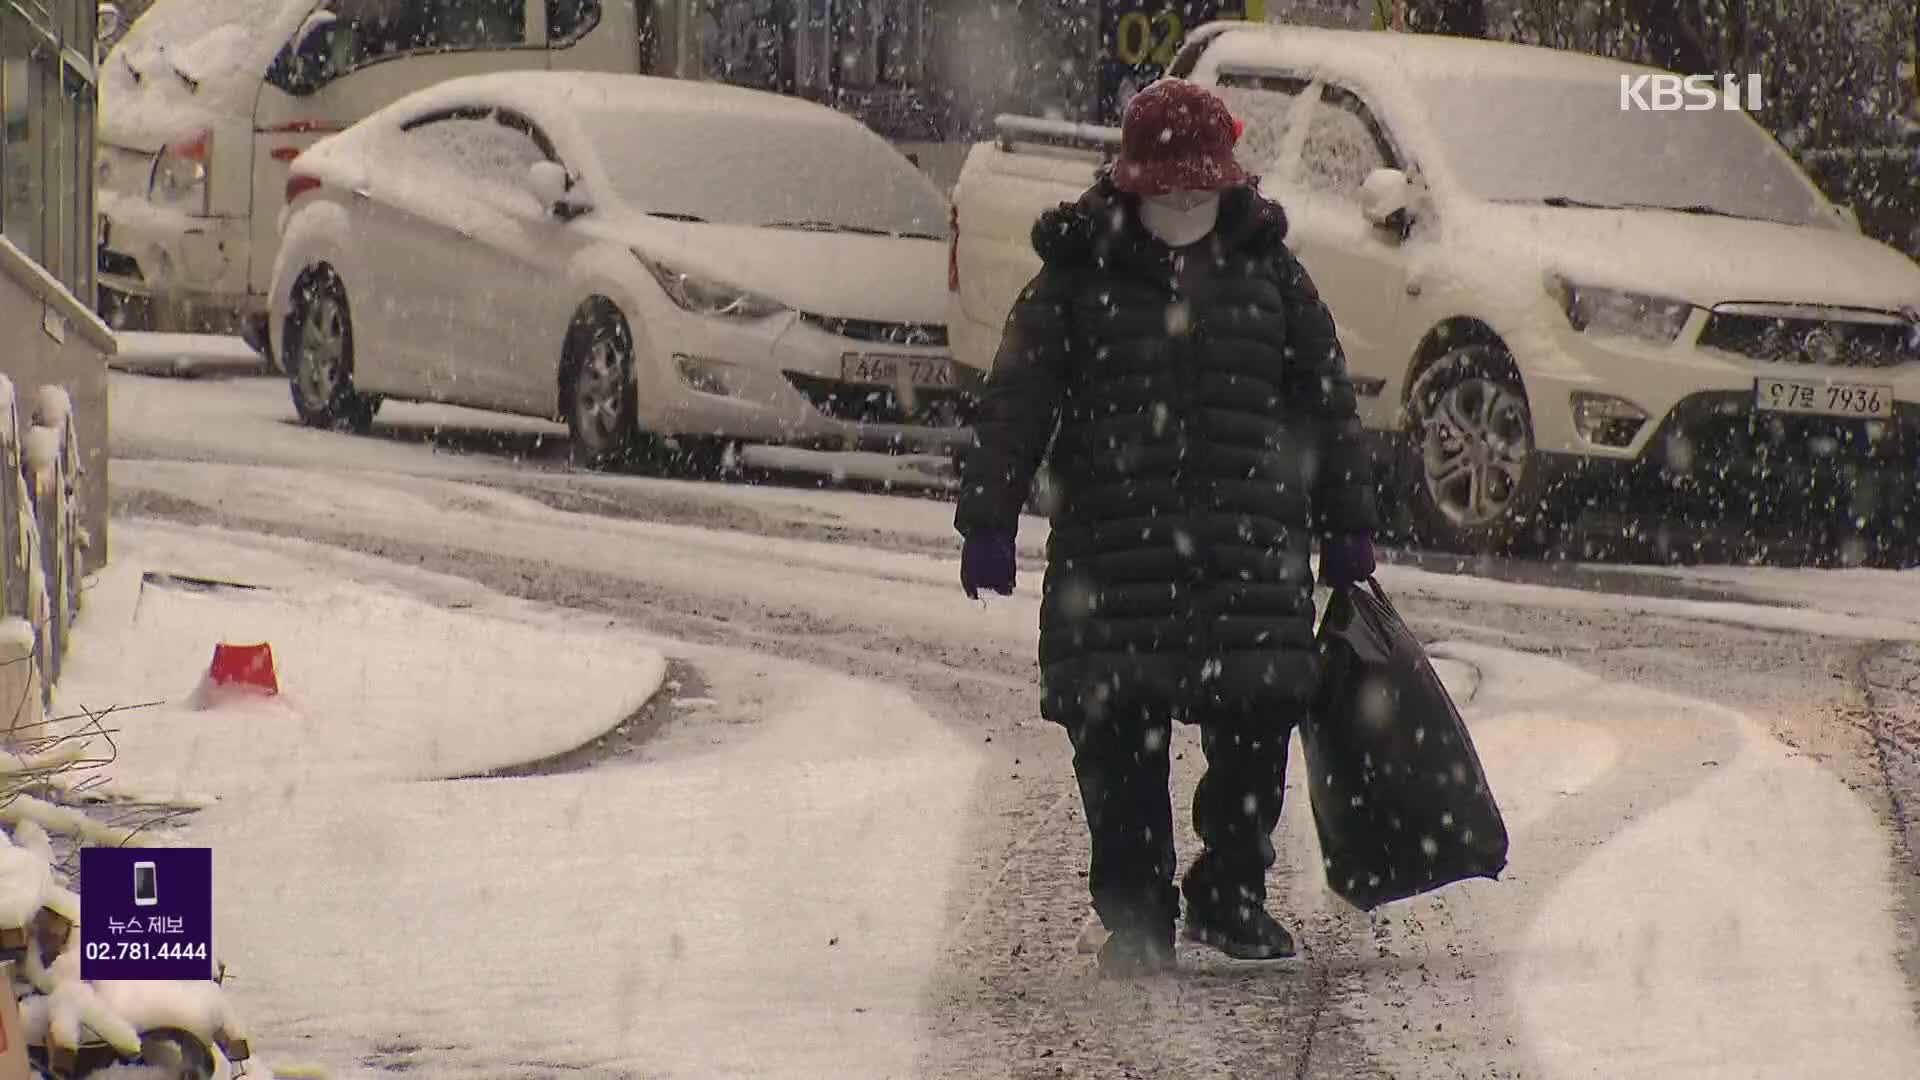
{"x":598,"y":397}
{"x":317,"y":355}
{"x":1473,"y":475}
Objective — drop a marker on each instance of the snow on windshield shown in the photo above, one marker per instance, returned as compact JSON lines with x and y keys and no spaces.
{"x":743,"y":169}
{"x":184,"y":61}
{"x":1520,"y":139}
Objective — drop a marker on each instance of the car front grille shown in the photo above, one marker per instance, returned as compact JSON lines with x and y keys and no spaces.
{"x":864,"y":404}
{"x":927,"y":335}
{"x":1719,"y":455}
{"x":1831,"y":342}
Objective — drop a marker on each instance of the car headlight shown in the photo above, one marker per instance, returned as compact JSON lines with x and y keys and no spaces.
{"x":180,"y":172}
{"x":706,"y":296}
{"x":1595,"y":310}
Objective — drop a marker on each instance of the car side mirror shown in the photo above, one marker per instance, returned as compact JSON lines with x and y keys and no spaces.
{"x":1386,"y":199}
{"x":1849,"y":217}
{"x":553,"y":186}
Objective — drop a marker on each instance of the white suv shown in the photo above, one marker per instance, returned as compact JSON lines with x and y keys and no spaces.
{"x":1551,"y":303}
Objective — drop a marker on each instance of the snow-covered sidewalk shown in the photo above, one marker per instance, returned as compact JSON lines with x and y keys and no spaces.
{"x":185,"y":355}
{"x":1687,"y":896}
{"x":770,"y":906}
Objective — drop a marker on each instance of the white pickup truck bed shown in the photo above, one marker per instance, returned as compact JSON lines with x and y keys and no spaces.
{"x":1003,"y":188}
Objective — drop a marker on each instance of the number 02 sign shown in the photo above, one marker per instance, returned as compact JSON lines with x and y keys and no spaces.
{"x":1139,"y":38}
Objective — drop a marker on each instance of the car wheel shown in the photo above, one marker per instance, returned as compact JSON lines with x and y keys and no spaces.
{"x":318,"y":356}
{"x":1475,"y":479}
{"x":598,"y":398}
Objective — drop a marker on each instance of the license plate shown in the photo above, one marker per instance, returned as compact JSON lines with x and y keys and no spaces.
{"x":1823,"y":398}
{"x":883,"y":370}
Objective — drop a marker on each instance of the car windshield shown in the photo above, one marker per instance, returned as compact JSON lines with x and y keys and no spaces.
{"x":745,"y":169}
{"x":1534,"y":140}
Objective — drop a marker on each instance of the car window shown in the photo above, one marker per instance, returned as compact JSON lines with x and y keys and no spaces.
{"x":763,"y":168}
{"x":1267,"y":105}
{"x":570,"y":20}
{"x":490,"y":155}
{"x":350,"y":34}
{"x":1344,"y":143}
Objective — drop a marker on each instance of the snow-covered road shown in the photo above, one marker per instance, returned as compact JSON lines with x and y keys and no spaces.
{"x":1706,"y":880}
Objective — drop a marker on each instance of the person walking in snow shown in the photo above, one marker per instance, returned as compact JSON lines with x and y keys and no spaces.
{"x":1175,"y":366}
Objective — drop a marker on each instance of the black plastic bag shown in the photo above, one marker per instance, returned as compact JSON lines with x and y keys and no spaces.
{"x":1399,"y":798}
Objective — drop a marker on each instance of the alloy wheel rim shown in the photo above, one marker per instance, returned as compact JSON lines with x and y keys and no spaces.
{"x":1475,"y":450}
{"x":600,"y":397}
{"x":322,"y":349}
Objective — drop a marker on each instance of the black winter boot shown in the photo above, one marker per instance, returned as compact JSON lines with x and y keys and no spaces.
{"x":1240,"y":927}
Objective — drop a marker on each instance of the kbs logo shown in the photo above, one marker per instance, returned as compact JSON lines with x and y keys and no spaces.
{"x":1693,"y":93}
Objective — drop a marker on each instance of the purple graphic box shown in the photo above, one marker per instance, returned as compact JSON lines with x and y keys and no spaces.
{"x":146,"y":913}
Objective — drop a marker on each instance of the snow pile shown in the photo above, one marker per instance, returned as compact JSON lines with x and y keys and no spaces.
{"x":771,"y":903}
{"x":52,"y":407}
{"x":769,"y":908}
{"x":374,"y":683}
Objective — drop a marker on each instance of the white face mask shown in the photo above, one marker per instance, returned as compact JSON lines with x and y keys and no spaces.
{"x":1181,"y":218}
{"x":1181,"y":202}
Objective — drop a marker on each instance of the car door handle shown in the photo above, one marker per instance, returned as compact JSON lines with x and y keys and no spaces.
{"x":465,"y":233}
{"x":361,"y":193}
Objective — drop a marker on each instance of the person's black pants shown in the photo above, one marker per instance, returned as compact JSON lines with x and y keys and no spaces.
{"x":1120,"y":760}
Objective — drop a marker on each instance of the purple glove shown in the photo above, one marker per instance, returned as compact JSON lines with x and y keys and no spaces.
{"x":1346,"y":559}
{"x":986,"y":562}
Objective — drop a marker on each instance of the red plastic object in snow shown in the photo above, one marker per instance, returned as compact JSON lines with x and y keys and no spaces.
{"x":248,"y":666}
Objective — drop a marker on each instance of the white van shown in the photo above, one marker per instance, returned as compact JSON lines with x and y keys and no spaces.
{"x":205,"y":103}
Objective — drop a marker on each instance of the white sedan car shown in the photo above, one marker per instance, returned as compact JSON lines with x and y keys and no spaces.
{"x":641,"y":258}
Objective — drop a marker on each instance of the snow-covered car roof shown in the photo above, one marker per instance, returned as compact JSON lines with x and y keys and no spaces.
{"x":696,"y":151}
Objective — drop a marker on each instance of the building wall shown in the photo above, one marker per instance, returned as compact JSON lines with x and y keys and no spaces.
{"x":48,"y":338}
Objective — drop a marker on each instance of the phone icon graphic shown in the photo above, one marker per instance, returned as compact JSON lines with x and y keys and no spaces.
{"x":146,"y":886}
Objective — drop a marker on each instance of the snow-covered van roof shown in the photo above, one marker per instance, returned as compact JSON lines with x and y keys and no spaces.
{"x":543,"y":94}
{"x":190,"y":64}
{"x":1397,"y":58}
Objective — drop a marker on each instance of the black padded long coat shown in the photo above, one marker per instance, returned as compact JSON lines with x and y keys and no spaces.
{"x":1203,"y":431}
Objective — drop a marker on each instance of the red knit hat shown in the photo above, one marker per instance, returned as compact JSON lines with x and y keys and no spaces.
{"x":1177,"y":136}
